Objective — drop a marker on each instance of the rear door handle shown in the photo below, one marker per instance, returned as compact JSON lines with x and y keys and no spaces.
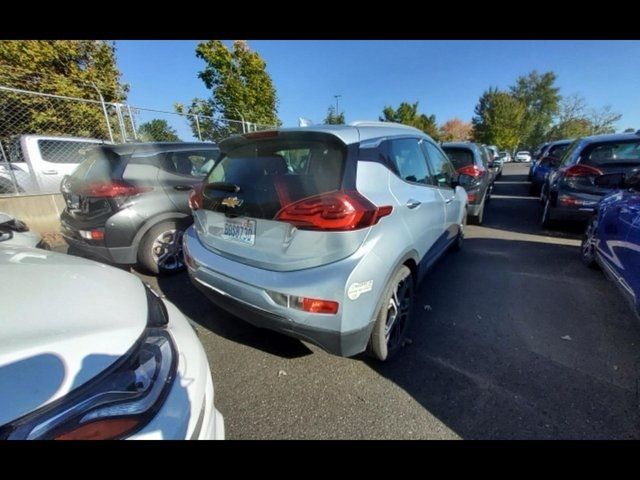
{"x":50,"y":172}
{"x":182,"y":187}
{"x":411,"y":203}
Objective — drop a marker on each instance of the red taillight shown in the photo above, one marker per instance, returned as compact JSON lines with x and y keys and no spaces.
{"x":472,"y":170}
{"x":472,"y":197}
{"x":582,"y":171}
{"x":313,"y":305}
{"x":113,"y":189}
{"x":335,"y":211}
{"x":195,"y":197}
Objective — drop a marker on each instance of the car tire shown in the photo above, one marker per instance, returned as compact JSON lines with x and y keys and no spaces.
{"x":588,"y":245}
{"x":160,"y":251}
{"x":547,"y":219}
{"x":397,"y":306}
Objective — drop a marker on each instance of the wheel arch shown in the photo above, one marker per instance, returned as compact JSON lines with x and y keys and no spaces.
{"x":153,"y":221}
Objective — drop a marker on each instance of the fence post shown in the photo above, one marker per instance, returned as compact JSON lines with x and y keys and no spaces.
{"x":10,"y":168}
{"x":198,"y":127}
{"x":104,"y":111}
{"x":133,"y":123}
{"x":123,"y":130}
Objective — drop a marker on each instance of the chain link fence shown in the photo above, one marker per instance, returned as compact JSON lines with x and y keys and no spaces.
{"x":44,"y":136}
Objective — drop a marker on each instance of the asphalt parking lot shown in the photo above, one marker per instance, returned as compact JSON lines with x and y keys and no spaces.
{"x":487,"y":358}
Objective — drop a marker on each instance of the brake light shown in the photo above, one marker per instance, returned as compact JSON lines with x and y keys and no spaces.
{"x":102,"y":430}
{"x":262,"y":134}
{"x":195,"y":197}
{"x":582,"y":171}
{"x":472,"y":170}
{"x":113,"y":189}
{"x":334,"y":211}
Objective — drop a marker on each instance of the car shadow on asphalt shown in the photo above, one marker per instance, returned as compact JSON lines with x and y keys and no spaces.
{"x":509,"y":341}
{"x":195,"y":305}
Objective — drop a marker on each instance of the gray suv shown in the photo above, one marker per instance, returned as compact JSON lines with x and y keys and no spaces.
{"x":324,"y":232}
{"x":128,"y":204}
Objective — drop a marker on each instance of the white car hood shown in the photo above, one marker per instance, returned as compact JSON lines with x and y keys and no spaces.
{"x":63,"y":320}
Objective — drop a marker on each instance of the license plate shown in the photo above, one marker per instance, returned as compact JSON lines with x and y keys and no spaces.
{"x":240,"y":230}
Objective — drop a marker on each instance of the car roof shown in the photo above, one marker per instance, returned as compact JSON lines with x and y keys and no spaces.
{"x":151,"y":147}
{"x":63,"y":138}
{"x":353,"y":132}
{"x":612,"y":137}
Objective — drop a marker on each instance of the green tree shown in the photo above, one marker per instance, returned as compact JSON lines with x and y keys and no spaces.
{"x":332,"y":118}
{"x":240,"y":87}
{"x":407,"y":114}
{"x":629,"y":130}
{"x":541,"y":98}
{"x":498,"y":119}
{"x":157,"y":130}
{"x":572,"y":121}
{"x":60,"y":67}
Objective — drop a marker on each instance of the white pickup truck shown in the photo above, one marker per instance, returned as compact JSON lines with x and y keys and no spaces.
{"x":38,"y":163}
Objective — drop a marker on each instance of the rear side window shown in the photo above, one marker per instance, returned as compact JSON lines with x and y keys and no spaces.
{"x":613,"y":153}
{"x":267,"y":175}
{"x":460,"y":157}
{"x":409,"y":160}
{"x":63,"y":151}
{"x":558,"y":150}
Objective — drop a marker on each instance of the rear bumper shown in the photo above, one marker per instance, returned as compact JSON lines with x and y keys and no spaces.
{"x":588,"y":205}
{"x":473,"y":209}
{"x":116,"y":255}
{"x":336,"y":343}
{"x":242,"y":290}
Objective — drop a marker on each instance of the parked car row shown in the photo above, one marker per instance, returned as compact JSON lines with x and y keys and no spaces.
{"x":596,"y":180}
{"x":322,"y":233}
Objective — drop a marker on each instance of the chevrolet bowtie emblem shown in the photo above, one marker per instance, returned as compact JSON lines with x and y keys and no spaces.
{"x":232,"y":202}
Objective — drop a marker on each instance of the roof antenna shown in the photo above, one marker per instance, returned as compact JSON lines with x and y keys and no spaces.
{"x":304,"y":122}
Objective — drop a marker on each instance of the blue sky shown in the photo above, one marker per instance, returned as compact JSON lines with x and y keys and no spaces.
{"x":446,"y":77}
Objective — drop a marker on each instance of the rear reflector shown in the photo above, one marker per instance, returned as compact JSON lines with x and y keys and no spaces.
{"x":582,"y":171}
{"x":472,"y":197}
{"x":97,"y":234}
{"x":333,"y":211}
{"x":311,"y":305}
{"x":113,"y":189}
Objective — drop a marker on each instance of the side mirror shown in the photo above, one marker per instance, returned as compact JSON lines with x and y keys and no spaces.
{"x":610,"y":180}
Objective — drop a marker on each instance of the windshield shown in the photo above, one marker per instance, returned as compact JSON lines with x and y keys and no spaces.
{"x":460,"y":157}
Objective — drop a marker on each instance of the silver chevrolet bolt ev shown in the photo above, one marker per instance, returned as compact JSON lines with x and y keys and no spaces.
{"x":324,"y":232}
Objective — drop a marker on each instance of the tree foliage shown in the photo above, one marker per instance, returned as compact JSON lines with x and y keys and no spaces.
{"x":629,"y":130}
{"x":240,"y":88}
{"x":455,"y":130}
{"x":541,"y":98}
{"x":577,"y":120}
{"x":333,"y":118}
{"x":60,"y":67}
{"x":407,"y":114}
{"x":157,"y":130}
{"x":498,"y":119}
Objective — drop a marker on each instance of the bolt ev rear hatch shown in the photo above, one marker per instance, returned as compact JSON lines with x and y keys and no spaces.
{"x":279,"y":201}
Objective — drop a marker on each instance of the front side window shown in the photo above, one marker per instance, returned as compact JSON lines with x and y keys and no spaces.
{"x":409,"y":160}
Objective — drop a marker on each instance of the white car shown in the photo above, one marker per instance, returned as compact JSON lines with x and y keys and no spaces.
{"x":88,"y":352}
{"x":16,"y":233}
{"x":37,"y":164}
{"x":523,"y":156}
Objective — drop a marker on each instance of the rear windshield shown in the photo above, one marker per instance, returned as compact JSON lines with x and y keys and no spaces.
{"x":267,"y":175}
{"x":460,"y":157}
{"x":612,"y":154}
{"x":100,"y":165}
{"x":64,"y":151}
{"x":182,"y":162}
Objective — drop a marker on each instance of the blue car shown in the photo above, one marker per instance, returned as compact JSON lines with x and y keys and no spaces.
{"x":548,"y":160}
{"x":612,"y":237}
